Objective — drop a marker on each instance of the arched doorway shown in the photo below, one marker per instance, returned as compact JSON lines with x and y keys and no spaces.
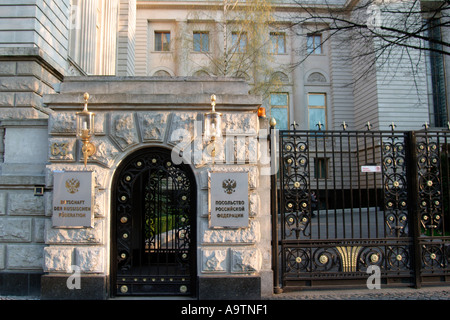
{"x":153,"y":226}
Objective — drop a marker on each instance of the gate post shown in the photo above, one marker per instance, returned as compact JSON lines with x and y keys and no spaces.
{"x":413,"y":210}
{"x":274,"y":209}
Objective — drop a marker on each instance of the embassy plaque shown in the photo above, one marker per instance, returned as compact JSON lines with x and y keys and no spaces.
{"x":228,"y":200}
{"x":371,"y":168}
{"x":72,"y":199}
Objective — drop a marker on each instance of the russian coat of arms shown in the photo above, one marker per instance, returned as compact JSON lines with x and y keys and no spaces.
{"x":229,"y":185}
{"x":72,"y":185}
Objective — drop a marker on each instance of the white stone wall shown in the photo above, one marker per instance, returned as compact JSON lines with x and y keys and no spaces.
{"x":37,"y":24}
{"x":127,"y":121}
{"x":22,"y":212}
{"x":21,"y":230}
{"x":395,"y":85}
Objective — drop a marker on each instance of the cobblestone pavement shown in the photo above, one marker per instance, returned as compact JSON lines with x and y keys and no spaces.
{"x":19,"y":298}
{"x":427,"y":293}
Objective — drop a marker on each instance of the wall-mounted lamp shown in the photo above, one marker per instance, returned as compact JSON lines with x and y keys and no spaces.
{"x":85,"y":130}
{"x":261,"y":112}
{"x":213,"y":127}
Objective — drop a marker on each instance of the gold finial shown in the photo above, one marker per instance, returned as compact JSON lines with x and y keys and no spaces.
{"x":273,"y":122}
{"x":86,"y":98}
{"x":213,"y":102}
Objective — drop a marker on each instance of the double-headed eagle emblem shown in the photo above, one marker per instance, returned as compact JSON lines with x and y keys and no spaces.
{"x":229,"y":185}
{"x":72,"y":185}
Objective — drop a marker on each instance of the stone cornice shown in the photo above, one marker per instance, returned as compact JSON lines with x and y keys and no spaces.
{"x":153,"y":93}
{"x":216,"y":5}
{"x":36,"y":54}
{"x":124,"y":101}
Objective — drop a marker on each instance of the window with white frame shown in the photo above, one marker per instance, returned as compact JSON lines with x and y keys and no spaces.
{"x":317,"y":111}
{"x":201,"y":41}
{"x":239,"y":42}
{"x":279,"y":109}
{"x":314,"y":44}
{"x":162,"y":40}
{"x":278,"y":42}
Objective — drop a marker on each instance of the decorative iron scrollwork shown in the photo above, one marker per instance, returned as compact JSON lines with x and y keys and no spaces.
{"x":154,"y":207}
{"x":398,"y":258}
{"x":434,"y":256}
{"x":294,"y":179}
{"x":395,"y":186}
{"x":364,"y":218}
{"x":371,"y":256}
{"x":325,"y":259}
{"x":430,"y":197}
{"x":297,"y":260}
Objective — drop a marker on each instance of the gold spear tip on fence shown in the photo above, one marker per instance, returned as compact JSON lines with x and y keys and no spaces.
{"x":273,"y":122}
{"x":392,"y":125}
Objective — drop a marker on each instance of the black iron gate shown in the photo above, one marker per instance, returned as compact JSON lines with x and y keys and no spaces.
{"x":349,"y":200}
{"x":154,"y":210}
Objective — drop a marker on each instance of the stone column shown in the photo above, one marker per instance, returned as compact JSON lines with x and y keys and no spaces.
{"x":182,"y":45}
{"x":127,"y":38}
{"x":83,"y":34}
{"x":107,"y":38}
{"x":299,"y":111}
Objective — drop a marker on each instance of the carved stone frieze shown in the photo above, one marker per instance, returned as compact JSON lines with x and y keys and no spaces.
{"x":62,"y":149}
{"x":228,"y":236}
{"x":153,"y":125}
{"x":182,"y":129}
{"x":62,"y":123}
{"x":123,"y":130}
{"x":240,"y":123}
{"x":106,"y":152}
{"x":214,"y":260}
{"x":245,"y":260}
{"x":316,"y":77}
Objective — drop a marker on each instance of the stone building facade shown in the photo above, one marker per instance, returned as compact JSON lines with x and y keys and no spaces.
{"x":130,"y":117}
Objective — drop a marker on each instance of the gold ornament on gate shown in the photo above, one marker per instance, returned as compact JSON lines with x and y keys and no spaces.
{"x":213,"y":129}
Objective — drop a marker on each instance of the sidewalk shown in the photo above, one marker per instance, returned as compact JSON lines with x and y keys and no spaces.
{"x":19,"y":298}
{"x":425,"y":293}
